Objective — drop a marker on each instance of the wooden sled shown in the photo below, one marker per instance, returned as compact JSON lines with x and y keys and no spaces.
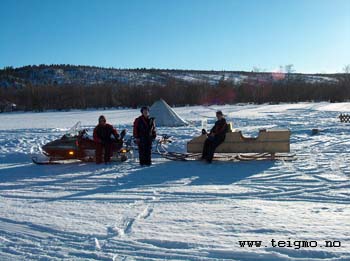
{"x":269,"y":141}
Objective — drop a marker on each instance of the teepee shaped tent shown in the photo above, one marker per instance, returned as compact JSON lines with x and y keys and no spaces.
{"x":165,"y":115}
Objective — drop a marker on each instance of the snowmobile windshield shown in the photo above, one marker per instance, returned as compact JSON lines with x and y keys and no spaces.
{"x":74,"y":131}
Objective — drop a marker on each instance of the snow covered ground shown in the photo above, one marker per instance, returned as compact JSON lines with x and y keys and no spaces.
{"x":179,"y":210}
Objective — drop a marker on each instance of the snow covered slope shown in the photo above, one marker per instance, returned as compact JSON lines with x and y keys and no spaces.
{"x":179,"y":210}
{"x":87,"y":75}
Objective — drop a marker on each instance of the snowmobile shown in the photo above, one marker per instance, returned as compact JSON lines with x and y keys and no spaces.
{"x":77,"y":145}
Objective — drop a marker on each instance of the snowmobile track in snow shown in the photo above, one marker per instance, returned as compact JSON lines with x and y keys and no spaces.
{"x":177,"y":210}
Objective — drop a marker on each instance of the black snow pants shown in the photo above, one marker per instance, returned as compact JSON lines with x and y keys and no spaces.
{"x":145,"y":151}
{"x":210,"y":145}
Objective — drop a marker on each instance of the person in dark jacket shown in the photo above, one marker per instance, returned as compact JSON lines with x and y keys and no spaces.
{"x":144,"y":133}
{"x":215,"y":137}
{"x":102,"y":137}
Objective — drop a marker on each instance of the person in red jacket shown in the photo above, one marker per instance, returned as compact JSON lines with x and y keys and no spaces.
{"x":102,"y":137}
{"x":144,"y":133}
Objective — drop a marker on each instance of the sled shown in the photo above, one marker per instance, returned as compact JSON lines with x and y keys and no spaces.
{"x":271,"y":144}
{"x":269,"y":141}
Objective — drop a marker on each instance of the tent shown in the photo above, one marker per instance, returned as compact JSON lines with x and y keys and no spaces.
{"x":165,"y":115}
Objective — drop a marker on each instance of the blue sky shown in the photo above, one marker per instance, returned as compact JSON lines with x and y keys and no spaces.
{"x":314,"y":35}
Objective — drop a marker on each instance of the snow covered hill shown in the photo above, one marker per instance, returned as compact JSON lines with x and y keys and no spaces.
{"x":86,"y":75}
{"x":179,"y":210}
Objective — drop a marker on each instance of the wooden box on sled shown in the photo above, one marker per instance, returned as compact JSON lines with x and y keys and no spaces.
{"x":268,"y":141}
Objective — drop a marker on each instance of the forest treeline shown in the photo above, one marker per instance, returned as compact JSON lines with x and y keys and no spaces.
{"x":175,"y":92}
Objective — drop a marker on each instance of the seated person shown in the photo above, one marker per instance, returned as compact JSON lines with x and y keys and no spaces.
{"x":215,"y":137}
